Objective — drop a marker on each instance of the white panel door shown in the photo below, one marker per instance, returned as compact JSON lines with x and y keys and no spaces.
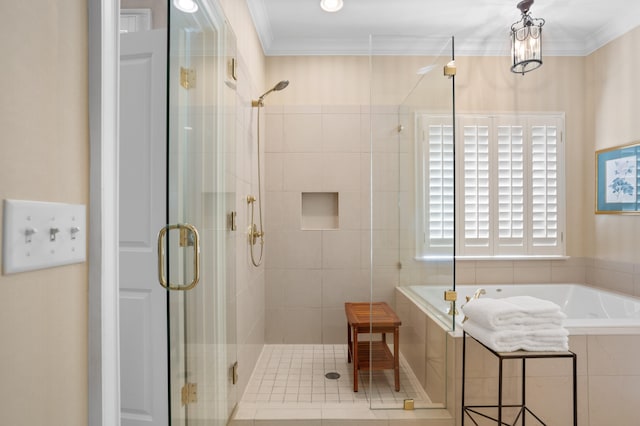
{"x":143,"y":303}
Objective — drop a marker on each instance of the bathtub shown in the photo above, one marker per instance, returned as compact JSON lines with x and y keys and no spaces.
{"x":604,"y":330}
{"x":589,"y":310}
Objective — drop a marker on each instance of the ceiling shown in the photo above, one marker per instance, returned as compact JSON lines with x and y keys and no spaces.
{"x":480,"y":27}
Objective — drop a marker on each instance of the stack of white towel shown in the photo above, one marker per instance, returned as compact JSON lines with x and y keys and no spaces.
{"x":516,"y":323}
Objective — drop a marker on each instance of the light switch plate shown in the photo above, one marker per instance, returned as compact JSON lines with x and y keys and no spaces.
{"x":38,"y":235}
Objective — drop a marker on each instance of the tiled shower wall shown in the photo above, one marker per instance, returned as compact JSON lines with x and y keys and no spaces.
{"x":311,"y":273}
{"x":246,"y":300}
{"x":248,"y":305}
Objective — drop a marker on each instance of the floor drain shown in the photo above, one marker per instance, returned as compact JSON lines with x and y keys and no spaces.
{"x":332,"y":375}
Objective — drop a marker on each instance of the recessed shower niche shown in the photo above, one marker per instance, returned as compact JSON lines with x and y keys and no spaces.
{"x":319,"y":211}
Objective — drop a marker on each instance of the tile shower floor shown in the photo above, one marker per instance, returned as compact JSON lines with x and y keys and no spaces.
{"x":294,"y":376}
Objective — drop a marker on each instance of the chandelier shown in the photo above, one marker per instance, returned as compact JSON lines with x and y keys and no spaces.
{"x":526,"y":41}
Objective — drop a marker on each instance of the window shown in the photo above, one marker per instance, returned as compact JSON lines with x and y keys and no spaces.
{"x":509,"y":185}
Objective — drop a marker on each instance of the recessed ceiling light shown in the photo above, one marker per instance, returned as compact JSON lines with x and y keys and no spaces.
{"x":187,"y":6}
{"x":331,"y":5}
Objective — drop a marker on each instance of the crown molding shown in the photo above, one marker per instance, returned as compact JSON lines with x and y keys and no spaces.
{"x":554,"y":44}
{"x":607,"y":33}
{"x":258,"y":12}
{"x":398,"y":46}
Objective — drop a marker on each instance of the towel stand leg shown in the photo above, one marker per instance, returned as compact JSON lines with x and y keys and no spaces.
{"x":473,"y":410}
{"x":500,"y":392}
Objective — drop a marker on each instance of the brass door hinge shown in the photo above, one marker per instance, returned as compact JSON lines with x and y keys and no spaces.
{"x":233,"y":69}
{"x":189,"y":393}
{"x":233,"y":218}
{"x":187,"y":78}
{"x":450,"y":295}
{"x":234,"y":373}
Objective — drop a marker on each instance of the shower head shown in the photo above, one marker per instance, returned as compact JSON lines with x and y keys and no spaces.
{"x":279,"y":86}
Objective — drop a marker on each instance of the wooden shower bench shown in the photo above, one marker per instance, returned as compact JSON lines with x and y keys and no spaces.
{"x":375,"y":318}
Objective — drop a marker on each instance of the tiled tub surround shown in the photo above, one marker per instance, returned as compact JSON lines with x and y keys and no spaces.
{"x":620,"y":277}
{"x":608,"y":374}
{"x":587,"y":308}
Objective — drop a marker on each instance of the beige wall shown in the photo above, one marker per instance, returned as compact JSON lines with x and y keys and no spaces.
{"x":614,"y":102}
{"x":44,"y":155}
{"x":320,"y":80}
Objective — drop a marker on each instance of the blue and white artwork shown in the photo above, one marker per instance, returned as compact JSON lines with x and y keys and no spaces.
{"x":621,"y":180}
{"x":618,"y":180}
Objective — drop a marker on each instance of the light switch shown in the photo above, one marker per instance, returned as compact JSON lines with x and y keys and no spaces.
{"x":38,"y":235}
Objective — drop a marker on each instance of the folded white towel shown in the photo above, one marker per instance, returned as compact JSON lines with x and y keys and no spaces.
{"x":533,"y":305}
{"x":551,"y":340}
{"x":520,"y":312}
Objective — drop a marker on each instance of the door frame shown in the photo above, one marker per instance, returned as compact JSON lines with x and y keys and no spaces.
{"x":103,"y":316}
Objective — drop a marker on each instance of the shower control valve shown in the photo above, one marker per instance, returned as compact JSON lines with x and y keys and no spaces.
{"x":254,"y":234}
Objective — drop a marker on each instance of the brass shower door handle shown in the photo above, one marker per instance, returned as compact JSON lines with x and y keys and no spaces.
{"x":196,"y":256}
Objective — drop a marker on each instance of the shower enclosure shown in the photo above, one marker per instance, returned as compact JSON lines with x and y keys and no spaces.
{"x":412,"y":205}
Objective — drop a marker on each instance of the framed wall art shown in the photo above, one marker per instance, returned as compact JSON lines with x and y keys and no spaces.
{"x":618,"y":180}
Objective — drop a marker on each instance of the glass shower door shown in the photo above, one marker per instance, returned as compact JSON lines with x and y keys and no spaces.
{"x":196,"y":249}
{"x":412,"y":215}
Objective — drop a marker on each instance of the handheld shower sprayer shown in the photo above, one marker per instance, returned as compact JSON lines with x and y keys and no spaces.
{"x":256,"y":234}
{"x":279,"y":86}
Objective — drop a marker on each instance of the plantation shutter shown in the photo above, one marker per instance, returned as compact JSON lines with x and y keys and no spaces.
{"x":545,"y":176}
{"x":475,"y":205}
{"x":439,"y":179}
{"x":509,"y":185}
{"x":510,"y":168}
